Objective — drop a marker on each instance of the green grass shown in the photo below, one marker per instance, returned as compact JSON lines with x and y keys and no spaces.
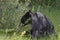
{"x":11,"y":19}
{"x":53,"y":15}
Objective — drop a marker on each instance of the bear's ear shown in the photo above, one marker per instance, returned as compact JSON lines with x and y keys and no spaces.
{"x":29,"y":13}
{"x":29,"y":10}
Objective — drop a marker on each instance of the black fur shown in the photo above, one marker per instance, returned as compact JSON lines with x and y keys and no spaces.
{"x":25,"y":17}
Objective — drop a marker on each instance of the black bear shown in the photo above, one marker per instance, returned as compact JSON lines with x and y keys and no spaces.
{"x":41,"y":25}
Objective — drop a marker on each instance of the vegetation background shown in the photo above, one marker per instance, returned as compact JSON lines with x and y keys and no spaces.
{"x":11,"y":12}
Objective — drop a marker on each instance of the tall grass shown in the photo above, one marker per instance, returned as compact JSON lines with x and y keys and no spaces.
{"x":10,"y":17}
